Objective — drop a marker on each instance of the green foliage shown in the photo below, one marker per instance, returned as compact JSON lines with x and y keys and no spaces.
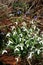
{"x":25,"y":41}
{"x":19,"y":4}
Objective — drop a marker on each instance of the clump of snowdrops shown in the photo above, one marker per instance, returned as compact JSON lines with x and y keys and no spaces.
{"x":23,"y":41}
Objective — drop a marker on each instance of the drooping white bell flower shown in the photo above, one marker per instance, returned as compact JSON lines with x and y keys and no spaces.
{"x":4,"y":51}
{"x":8,"y":34}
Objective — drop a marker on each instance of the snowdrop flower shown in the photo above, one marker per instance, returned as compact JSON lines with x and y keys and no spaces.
{"x":11,"y":15}
{"x":36,"y":49}
{"x":34,"y":27}
{"x":16,"y":49}
{"x":23,"y":23}
{"x":20,"y":39}
{"x":16,"y":23}
{"x":21,"y":45}
{"x":8,"y":34}
{"x":37,"y":32}
{"x":32,"y":38}
{"x":38,"y":29}
{"x":32,"y":47}
{"x":29,"y":35}
{"x":9,"y":42}
{"x":24,"y":29}
{"x":17,"y":59}
{"x":30,"y":56}
{"x":23,"y":39}
{"x":27,"y":45}
{"x":14,"y":32}
{"x":4,"y":51}
{"x":42,"y":33}
{"x":32,"y":22}
{"x":41,"y":42}
{"x":39,"y":38}
{"x":31,"y":30}
{"x":21,"y":34}
{"x":35,"y":35}
{"x":12,"y":27}
{"x":38,"y":52}
{"x":41,"y":48}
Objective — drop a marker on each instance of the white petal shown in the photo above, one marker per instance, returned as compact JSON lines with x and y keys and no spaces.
{"x":30,"y":56}
{"x":16,"y":23}
{"x":4,"y":51}
{"x":16,"y":50}
{"x":8,"y":35}
{"x":17,"y":59}
{"x":14,"y":32}
{"x":38,"y":52}
{"x":12,"y":27}
{"x":9,"y":42}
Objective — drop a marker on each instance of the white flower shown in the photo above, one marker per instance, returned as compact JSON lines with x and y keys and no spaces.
{"x":10,"y":15}
{"x":9,"y":42}
{"x":14,"y":32}
{"x":16,"y":49}
{"x":38,"y":52}
{"x":17,"y":59}
{"x":21,"y":34}
{"x":42,"y":35}
{"x":41,"y":42}
{"x":39,"y":38}
{"x":34,"y":27}
{"x":32,"y":38}
{"x":12,"y":27}
{"x":29,"y":35}
{"x":24,"y":29}
{"x":36,"y":49}
{"x":19,"y":39}
{"x":23,"y":23}
{"x":38,"y":29}
{"x":30,"y":56}
{"x":35,"y":35}
{"x":8,"y":34}
{"x":32,"y":21}
{"x":32,"y":47}
{"x":31,"y":30}
{"x":27,"y":45}
{"x":16,"y":23}
{"x":4,"y":51}
{"x":21,"y":45}
{"x":41,"y":48}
